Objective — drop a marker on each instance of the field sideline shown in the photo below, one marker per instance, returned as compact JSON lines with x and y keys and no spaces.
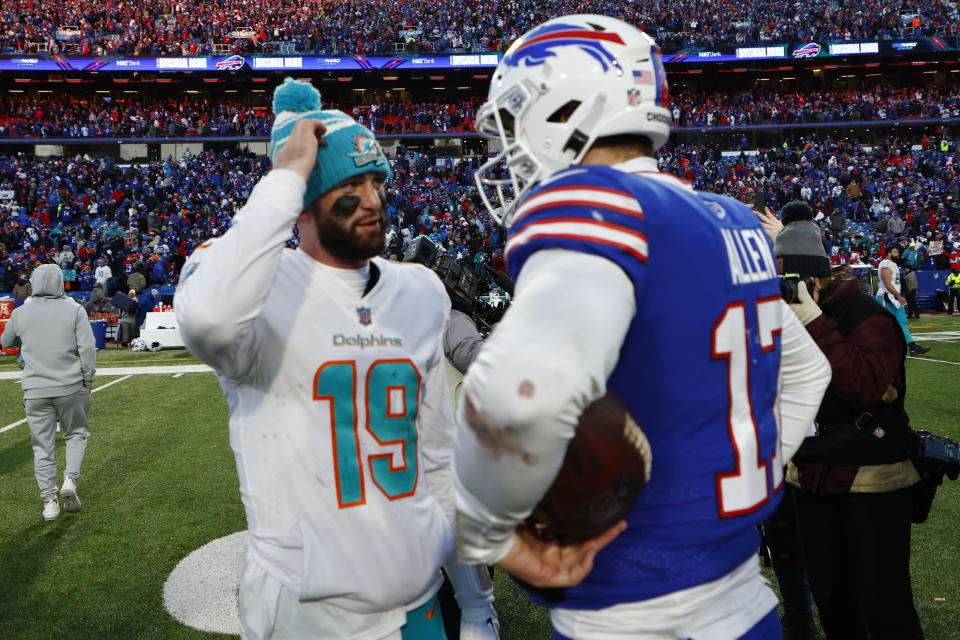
{"x":159,"y":482}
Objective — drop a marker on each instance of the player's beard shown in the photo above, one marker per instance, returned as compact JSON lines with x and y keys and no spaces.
{"x":345,"y":240}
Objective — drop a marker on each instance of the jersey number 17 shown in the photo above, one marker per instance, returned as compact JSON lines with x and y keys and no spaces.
{"x":745,"y":489}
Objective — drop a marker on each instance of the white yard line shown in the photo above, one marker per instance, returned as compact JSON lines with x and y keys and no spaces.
{"x":177,"y":375}
{"x":100,"y":388}
{"x":111,"y":383}
{"x":932,"y":360}
{"x":131,"y":371}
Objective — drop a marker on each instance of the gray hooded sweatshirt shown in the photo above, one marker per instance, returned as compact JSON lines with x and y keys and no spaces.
{"x":54,"y":336}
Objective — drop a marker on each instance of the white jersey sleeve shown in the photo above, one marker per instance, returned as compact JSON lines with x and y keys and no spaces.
{"x":526,"y":391}
{"x":225,"y":282}
{"x":436,"y":435}
{"x":805,"y":375}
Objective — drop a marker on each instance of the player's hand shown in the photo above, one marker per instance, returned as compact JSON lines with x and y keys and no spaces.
{"x":901,"y":299}
{"x":548,"y":564}
{"x":88,"y":387}
{"x":806,"y":309}
{"x":771,"y":224}
{"x":300,"y":152}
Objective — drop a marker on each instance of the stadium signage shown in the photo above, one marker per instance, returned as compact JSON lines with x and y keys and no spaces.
{"x":278,"y":63}
{"x":809,"y":50}
{"x":476,"y":60}
{"x":694,"y":55}
{"x":776,"y":51}
{"x":181,"y":64}
{"x":853,"y":48}
{"x":67,"y":34}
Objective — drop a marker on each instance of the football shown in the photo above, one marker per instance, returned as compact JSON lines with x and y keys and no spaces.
{"x":606,"y":466}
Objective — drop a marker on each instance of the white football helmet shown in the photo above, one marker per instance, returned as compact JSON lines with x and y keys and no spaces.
{"x":558,"y":88}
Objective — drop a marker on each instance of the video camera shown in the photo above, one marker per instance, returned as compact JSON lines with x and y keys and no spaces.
{"x":939,"y":452}
{"x":933,"y":456}
{"x":789,"y":286}
{"x":464,"y":286}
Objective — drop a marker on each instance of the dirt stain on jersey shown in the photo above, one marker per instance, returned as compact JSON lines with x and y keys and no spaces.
{"x":526,"y":389}
{"x":496,"y":439}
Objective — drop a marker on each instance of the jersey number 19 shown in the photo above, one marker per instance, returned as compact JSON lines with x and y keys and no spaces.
{"x":392,"y":398}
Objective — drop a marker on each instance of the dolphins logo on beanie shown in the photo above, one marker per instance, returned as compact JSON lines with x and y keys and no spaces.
{"x":349,"y":148}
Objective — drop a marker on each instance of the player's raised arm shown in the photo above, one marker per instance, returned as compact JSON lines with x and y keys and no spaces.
{"x":224,"y":284}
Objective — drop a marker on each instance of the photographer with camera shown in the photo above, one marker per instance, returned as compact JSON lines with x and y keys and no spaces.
{"x":471,"y":318}
{"x":854,"y":477}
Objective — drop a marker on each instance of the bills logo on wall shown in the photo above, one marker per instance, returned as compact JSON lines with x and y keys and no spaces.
{"x":233,"y":63}
{"x":809,"y":50}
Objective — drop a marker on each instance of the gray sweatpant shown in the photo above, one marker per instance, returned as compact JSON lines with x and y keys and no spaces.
{"x":42,"y":413}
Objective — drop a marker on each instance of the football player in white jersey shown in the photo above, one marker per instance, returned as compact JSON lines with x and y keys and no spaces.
{"x":340,"y":417}
{"x":888,"y":294}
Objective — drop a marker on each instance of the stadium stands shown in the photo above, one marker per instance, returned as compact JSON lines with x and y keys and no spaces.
{"x":76,"y":211}
{"x":27,"y":116}
{"x":63,"y":116}
{"x":190,"y":27}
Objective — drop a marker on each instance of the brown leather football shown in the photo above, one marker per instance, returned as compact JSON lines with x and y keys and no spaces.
{"x":603,"y":473}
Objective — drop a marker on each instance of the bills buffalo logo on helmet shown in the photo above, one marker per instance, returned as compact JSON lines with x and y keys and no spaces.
{"x":809,"y":50}
{"x":540,"y":44}
{"x":233,"y":63}
{"x":367,"y":150}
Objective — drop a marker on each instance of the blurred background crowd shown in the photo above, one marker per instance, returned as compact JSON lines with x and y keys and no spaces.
{"x":187,"y":27}
{"x":87,"y":213}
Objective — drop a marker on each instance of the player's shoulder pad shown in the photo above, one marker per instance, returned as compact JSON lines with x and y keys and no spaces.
{"x":590,"y":186}
{"x":730,"y":211}
{"x":579,"y":176}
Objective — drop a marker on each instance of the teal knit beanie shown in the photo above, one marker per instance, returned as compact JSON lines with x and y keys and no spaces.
{"x":350,"y":148}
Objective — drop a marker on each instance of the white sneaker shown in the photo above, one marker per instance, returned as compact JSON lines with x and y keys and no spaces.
{"x":51,"y":509}
{"x":68,"y":493}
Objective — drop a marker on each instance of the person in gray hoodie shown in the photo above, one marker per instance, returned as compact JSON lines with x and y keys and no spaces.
{"x":59,"y":364}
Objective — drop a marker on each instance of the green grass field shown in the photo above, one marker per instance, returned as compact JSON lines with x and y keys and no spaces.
{"x":159,"y":481}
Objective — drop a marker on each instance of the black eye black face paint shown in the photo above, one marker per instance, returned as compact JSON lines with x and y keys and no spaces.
{"x":344,"y":206}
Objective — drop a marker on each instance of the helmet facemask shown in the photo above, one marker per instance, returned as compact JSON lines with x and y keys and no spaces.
{"x":559,"y":88}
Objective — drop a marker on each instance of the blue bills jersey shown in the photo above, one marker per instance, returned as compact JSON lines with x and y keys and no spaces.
{"x":699,"y":369}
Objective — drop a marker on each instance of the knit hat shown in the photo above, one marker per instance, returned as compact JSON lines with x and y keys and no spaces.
{"x":798,"y":247}
{"x":350,"y":148}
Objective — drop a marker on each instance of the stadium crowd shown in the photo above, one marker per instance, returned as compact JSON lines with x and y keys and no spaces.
{"x":189,"y":27}
{"x":865,"y":197}
{"x":84,"y":213}
{"x":882,"y":102}
{"x":24,"y":116}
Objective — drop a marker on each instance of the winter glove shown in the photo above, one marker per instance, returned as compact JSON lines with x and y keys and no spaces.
{"x":806,"y":310}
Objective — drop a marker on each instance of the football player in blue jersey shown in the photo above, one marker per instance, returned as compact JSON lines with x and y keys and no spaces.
{"x":725,"y":384}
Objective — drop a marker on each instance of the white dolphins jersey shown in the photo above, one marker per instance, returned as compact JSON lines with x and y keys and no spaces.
{"x":339,"y":408}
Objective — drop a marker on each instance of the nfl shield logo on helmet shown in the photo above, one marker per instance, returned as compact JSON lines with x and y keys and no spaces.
{"x":363,"y":314}
{"x":633,"y":97}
